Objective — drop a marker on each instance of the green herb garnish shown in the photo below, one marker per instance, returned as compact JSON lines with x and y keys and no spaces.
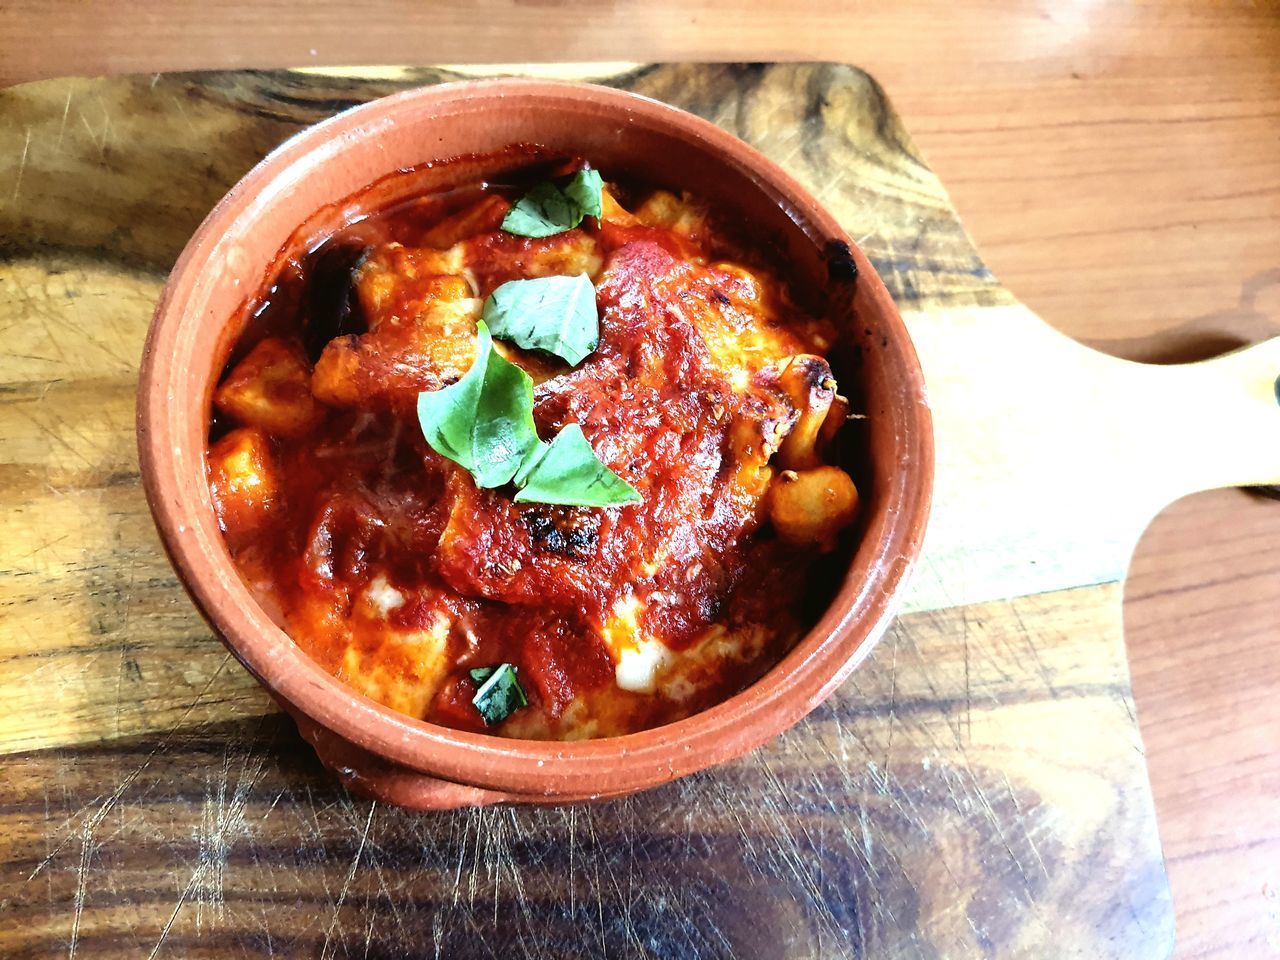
{"x":584,"y":188}
{"x":547,"y":209}
{"x":554,"y":314}
{"x":567,"y":471}
{"x":484,"y":422}
{"x":481,"y":674}
{"x":500,"y":695}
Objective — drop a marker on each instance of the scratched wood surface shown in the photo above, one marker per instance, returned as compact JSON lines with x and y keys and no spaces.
{"x":976,"y":789}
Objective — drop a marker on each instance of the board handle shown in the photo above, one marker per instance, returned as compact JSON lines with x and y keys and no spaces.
{"x":1217,"y":421}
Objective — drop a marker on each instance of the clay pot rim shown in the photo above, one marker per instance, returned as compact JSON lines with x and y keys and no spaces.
{"x":822,"y":658}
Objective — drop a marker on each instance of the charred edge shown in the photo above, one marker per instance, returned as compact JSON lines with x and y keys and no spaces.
{"x":332,"y":306}
{"x":566,"y":533}
{"x":817,"y":376}
{"x":841,"y":267}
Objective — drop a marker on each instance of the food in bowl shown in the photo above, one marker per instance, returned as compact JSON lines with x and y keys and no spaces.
{"x":553,"y":455}
{"x":324,"y":178}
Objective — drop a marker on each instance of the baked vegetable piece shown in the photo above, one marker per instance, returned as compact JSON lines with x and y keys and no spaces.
{"x":244,"y":482}
{"x":422,"y":304}
{"x":271,"y":389}
{"x":422,"y":332}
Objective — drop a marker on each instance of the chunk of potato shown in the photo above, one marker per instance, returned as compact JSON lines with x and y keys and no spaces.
{"x":400,"y":667}
{"x":396,"y":284}
{"x":808,"y":383}
{"x":836,"y":418}
{"x":493,"y":259}
{"x":271,"y":389}
{"x":810,"y":507}
{"x":243,"y":481}
{"x":484,"y":216}
{"x":752,"y":441}
{"x":422,"y":334}
{"x":613,"y":212}
{"x":681,"y":215}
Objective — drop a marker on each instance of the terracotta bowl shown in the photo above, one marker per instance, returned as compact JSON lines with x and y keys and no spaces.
{"x":416,"y":764}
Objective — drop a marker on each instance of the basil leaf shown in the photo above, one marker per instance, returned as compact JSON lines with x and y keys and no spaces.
{"x":547,"y":210}
{"x":542,"y":212}
{"x":535,"y":457}
{"x":481,"y":674}
{"x":584,"y":189}
{"x":500,"y":695}
{"x":554,"y":314}
{"x":567,"y":471}
{"x":484,"y":421}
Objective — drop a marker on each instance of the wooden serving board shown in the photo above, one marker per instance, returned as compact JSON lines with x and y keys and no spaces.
{"x":977,"y":789}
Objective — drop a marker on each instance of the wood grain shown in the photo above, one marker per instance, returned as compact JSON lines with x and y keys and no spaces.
{"x":964,"y":733}
{"x":1214,"y":772}
{"x":1115,"y":161}
{"x":1052,"y":457}
{"x":924,"y":811}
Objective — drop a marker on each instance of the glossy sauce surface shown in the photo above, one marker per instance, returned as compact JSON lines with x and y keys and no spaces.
{"x":707,"y":393}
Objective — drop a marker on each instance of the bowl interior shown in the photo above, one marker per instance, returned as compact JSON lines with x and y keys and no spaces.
{"x":202,"y":313}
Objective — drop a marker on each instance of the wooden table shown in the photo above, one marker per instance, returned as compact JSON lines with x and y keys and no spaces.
{"x":1132,"y":163}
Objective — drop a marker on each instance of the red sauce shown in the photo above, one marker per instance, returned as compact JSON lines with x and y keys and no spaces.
{"x":364,"y":536}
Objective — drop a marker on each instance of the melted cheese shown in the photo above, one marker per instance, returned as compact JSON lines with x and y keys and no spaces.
{"x":382,"y":597}
{"x":640,"y":665}
{"x":644,"y":664}
{"x":638,"y":659}
{"x":403,"y":670}
{"x":399,"y":667}
{"x":564,"y":254}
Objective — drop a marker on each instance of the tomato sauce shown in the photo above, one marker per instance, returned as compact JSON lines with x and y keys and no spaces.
{"x":387,"y":564}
